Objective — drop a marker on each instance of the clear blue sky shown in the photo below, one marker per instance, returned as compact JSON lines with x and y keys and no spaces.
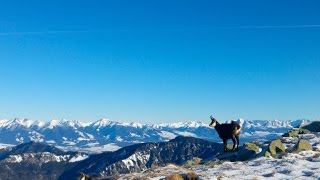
{"x":159,"y":61}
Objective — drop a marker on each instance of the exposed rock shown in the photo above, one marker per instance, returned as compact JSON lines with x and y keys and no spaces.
{"x":275,"y":147}
{"x":302,"y":145}
{"x":291,"y":133}
{"x":245,"y":154}
{"x":252,"y":147}
{"x":194,"y":161}
{"x":267,"y":154}
{"x":304,"y":131}
{"x":249,"y":151}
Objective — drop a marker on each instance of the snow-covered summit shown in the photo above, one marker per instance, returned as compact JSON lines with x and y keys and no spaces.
{"x":15,"y":122}
{"x":104,"y":122}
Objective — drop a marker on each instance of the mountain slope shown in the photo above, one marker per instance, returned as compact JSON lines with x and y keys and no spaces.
{"x":35,"y":160}
{"x":139,"y":157}
{"x":35,"y":147}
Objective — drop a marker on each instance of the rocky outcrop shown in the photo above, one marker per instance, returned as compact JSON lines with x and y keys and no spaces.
{"x":249,"y":151}
{"x":291,"y":133}
{"x":302,"y":145}
{"x":275,"y":147}
{"x":295,"y":132}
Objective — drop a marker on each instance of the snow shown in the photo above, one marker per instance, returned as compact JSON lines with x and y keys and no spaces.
{"x":40,"y":124}
{"x":69,"y":143}
{"x":91,"y":148}
{"x":190,"y":124}
{"x":35,"y":136}
{"x":260,"y":168}
{"x":53,"y":123}
{"x":16,"y":158}
{"x":56,"y":158}
{"x":26,"y":122}
{"x":240,"y":121}
{"x":102,"y":123}
{"x":118,"y":138}
{"x":167,"y":135}
{"x":90,"y":136}
{"x":70,"y":123}
{"x":51,"y":142}
{"x":80,"y":134}
{"x":78,"y":158}
{"x":111,"y":147}
{"x":264,"y":133}
{"x":92,"y":144}
{"x":83,"y":139}
{"x":186,"y":133}
{"x":85,"y":124}
{"x":43,"y":157}
{"x":19,"y":138}
{"x":5,"y":146}
{"x":136,"y":125}
{"x":3,"y":122}
{"x":15,"y":123}
{"x":302,"y":165}
{"x":64,"y":122}
{"x":134,"y":135}
{"x":136,"y":159}
{"x":97,"y":148}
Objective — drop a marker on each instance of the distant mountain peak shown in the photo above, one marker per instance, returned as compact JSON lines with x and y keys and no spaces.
{"x":16,"y":122}
{"x":102,"y":122}
{"x":53,"y":123}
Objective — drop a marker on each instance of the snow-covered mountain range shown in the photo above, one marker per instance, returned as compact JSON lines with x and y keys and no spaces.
{"x":107,"y":135}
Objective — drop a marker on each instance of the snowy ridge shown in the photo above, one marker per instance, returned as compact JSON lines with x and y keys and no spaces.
{"x":4,"y":123}
{"x":43,"y":157}
{"x":107,"y":135}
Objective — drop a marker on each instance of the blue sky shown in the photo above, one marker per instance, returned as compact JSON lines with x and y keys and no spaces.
{"x":159,"y":61}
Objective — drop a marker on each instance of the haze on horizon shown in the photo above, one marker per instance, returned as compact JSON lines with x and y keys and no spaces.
{"x":159,"y":61}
